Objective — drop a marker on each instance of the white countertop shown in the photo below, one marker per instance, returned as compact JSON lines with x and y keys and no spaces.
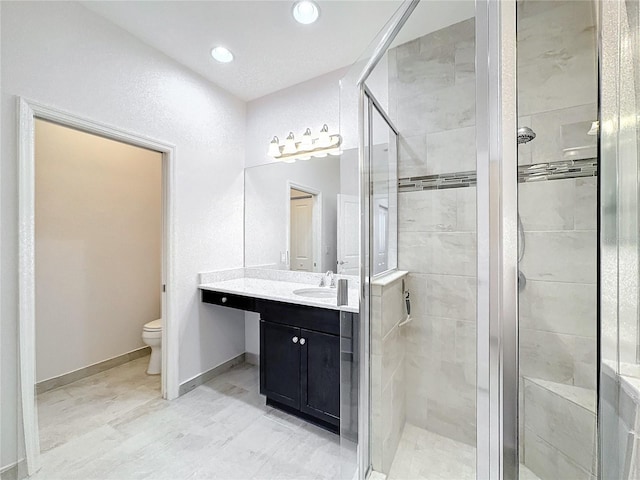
{"x":280,"y":291}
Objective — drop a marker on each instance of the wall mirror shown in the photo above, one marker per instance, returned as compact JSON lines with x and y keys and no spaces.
{"x":303,"y":216}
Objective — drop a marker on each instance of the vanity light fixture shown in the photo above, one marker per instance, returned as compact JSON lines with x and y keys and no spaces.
{"x":325,"y":144}
{"x":222,"y":54}
{"x":305,"y":11}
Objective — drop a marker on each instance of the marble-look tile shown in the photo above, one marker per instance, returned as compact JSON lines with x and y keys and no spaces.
{"x":585,"y":398}
{"x":466,"y":209}
{"x":438,"y":252}
{"x":561,"y":423}
{"x":547,"y":355}
{"x":434,"y":111}
{"x":376,"y":324}
{"x":548,"y":462}
{"x":547,"y":205}
{"x":556,"y":56}
{"x":392,"y":356}
{"x":465,"y":62}
{"x":447,"y":296}
{"x":568,"y":256}
{"x":451,"y":151}
{"x":220,"y":430}
{"x":451,"y":296}
{"x":440,"y":376}
{"x":459,"y":34}
{"x":412,"y":161}
{"x":432,"y":68}
{"x":428,"y":211}
{"x":558,"y":132}
{"x":585,"y":362}
{"x":559,"y":307}
{"x":393,"y":307}
{"x":586,"y":204}
{"x":424,"y":455}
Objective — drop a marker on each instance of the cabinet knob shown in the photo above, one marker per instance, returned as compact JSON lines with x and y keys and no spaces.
{"x":295,"y":340}
{"x":302,"y":341}
{"x":224,"y":299}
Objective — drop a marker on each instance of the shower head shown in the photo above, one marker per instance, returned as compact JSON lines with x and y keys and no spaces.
{"x":525,"y":135}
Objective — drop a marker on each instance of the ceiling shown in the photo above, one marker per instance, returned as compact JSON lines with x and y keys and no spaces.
{"x":272,"y":51}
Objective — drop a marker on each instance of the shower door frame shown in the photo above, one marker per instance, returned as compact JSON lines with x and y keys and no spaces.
{"x":497,"y":241}
{"x":497,"y":249}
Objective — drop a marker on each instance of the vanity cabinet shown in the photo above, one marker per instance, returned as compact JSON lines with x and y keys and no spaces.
{"x":300,"y":363}
{"x":280,"y":363}
{"x":299,"y":356}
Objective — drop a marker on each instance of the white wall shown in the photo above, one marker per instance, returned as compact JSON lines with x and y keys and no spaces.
{"x":64,"y":56}
{"x":309,"y":104}
{"x":98,"y":228}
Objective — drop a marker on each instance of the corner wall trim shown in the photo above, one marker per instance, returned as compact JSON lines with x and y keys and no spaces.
{"x":210,"y":374}
{"x":67,"y":378}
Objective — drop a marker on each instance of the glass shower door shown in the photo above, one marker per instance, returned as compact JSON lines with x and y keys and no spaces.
{"x":619,"y":386}
{"x":557,"y":237}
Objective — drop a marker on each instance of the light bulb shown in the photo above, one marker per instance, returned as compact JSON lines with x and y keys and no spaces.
{"x":222,"y":54}
{"x":289,"y":145}
{"x":305,"y":12}
{"x":307,"y":141}
{"x":274,"y":148}
{"x":324,"y":139}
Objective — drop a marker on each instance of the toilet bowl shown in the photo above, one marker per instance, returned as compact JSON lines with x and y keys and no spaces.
{"x":152,"y":336}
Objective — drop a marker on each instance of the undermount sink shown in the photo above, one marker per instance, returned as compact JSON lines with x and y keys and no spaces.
{"x":316,"y":292}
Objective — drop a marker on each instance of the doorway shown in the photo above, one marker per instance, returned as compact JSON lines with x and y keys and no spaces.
{"x":30,"y":113}
{"x":305,"y":234}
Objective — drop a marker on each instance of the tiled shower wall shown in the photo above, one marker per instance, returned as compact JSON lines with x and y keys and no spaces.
{"x":388,"y":388}
{"x":432,"y":100}
{"x":557,"y":95}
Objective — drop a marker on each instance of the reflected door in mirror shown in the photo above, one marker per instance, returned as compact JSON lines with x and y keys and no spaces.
{"x":302,"y":234}
{"x":348,"y":235}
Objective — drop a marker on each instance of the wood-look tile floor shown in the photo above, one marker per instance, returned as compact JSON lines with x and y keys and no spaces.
{"x":114,"y":425}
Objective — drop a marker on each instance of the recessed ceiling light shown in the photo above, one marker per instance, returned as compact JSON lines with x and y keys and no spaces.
{"x":221,"y":54}
{"x":305,"y":11}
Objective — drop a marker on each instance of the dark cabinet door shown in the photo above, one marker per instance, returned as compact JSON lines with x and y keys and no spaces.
{"x":280,"y":363}
{"x":320,"y":375}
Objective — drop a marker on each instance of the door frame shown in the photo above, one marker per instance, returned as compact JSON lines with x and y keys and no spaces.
{"x":28,"y":112}
{"x":317,"y":223}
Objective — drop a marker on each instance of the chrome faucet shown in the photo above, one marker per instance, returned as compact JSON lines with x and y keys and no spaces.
{"x":328,"y":280}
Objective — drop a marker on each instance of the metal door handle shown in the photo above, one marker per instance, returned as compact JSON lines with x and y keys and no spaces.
{"x":302,"y":341}
{"x":295,"y":340}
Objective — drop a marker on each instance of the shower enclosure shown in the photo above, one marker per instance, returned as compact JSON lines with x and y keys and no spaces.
{"x":503,"y":177}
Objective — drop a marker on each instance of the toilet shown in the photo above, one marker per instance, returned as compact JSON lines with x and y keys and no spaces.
{"x":152,"y":336}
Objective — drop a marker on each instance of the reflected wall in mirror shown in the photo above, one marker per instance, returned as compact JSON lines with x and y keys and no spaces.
{"x":303,"y":216}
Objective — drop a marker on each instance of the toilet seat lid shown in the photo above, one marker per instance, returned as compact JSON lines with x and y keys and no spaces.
{"x":153,"y":326}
